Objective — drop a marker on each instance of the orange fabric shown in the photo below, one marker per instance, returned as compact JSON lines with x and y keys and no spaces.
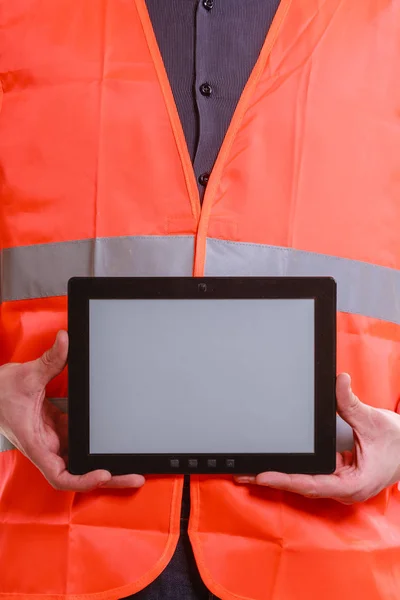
{"x":70,"y":96}
{"x":104,"y":544}
{"x":314,"y":165}
{"x":91,"y":145}
{"x":260,"y":543}
{"x":70,"y":171}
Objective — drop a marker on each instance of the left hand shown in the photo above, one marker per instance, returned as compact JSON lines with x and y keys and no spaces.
{"x":373,"y":465}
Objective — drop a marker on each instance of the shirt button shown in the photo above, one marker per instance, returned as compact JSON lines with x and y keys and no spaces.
{"x":208,"y":4}
{"x":203,"y":179}
{"x":206,"y":89}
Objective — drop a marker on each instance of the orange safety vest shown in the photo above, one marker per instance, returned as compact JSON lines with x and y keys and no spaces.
{"x":96,"y":179}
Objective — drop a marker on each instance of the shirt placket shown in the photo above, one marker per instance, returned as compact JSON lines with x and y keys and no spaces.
{"x":205,"y":93}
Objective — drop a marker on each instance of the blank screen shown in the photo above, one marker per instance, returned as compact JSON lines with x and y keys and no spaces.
{"x":201,"y":376}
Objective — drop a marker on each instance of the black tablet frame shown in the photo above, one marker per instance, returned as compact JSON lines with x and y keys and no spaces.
{"x":321,"y":289}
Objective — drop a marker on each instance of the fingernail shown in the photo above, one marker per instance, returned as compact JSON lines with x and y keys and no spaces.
{"x":245,"y":479}
{"x":105,"y":478}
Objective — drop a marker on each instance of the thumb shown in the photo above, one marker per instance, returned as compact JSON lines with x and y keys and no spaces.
{"x":53,"y":361}
{"x":349,"y":407}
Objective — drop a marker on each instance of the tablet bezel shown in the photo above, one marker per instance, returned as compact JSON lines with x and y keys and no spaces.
{"x":320,"y":289}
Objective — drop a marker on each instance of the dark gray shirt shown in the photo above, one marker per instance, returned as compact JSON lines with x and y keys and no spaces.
{"x":209,"y":48}
{"x":214,"y":42}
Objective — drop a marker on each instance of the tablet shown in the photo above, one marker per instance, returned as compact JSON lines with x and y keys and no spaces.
{"x":211,"y":375}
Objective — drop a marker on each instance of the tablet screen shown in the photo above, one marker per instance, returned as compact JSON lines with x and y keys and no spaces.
{"x":201,"y":376}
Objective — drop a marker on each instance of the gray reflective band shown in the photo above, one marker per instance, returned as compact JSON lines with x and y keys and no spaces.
{"x":344,"y":433}
{"x":363,"y":288}
{"x":61,"y":403}
{"x":5,"y":444}
{"x":43,"y":270}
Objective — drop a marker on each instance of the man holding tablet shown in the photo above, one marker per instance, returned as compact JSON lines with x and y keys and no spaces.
{"x":216,"y":139}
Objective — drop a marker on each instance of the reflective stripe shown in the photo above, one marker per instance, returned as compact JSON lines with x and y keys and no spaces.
{"x":344,"y":432}
{"x":344,"y":435}
{"x":43,"y":270}
{"x":5,"y":444}
{"x":363,"y":288}
{"x":61,"y":403}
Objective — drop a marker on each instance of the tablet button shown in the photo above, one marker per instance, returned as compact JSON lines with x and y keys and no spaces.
{"x":211,"y":462}
{"x":174,"y":463}
{"x":193,"y":463}
{"x":230,"y":463}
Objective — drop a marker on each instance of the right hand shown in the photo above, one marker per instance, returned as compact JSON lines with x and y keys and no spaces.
{"x":38,"y":429}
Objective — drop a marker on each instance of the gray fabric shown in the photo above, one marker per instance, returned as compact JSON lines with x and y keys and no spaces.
{"x":5,"y":444}
{"x":219,"y":47}
{"x":344,"y":435}
{"x":43,"y":270}
{"x":362,"y":288}
{"x":344,"y":439}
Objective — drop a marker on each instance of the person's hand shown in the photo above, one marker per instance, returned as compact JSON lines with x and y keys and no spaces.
{"x":38,"y":429}
{"x":373,"y":465}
